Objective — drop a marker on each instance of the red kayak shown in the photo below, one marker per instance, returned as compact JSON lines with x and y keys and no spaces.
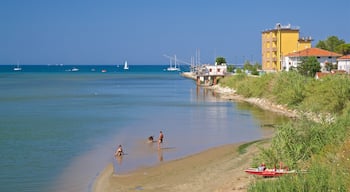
{"x":268,"y":172}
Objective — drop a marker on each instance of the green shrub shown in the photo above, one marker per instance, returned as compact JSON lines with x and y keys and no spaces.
{"x":329,"y":94}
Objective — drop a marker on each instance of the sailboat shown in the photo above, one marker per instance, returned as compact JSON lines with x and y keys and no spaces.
{"x":126,"y":65}
{"x":17,"y":68}
{"x":171,"y":68}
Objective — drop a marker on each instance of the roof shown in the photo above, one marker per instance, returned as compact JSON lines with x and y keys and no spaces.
{"x":313,"y":52}
{"x":345,"y":57}
{"x":320,"y":75}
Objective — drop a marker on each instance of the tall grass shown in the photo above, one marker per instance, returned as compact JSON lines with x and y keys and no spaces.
{"x":304,"y":144}
{"x":327,"y":95}
{"x":289,"y":88}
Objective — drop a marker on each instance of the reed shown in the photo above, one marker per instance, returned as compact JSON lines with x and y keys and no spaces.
{"x":305,"y":144}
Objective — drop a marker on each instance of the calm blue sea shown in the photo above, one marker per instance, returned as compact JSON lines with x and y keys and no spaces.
{"x":59,"y":128}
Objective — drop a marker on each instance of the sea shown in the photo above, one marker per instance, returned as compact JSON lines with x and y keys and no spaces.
{"x":61,"y":124}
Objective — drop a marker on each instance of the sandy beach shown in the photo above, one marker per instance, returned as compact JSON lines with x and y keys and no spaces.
{"x":220,"y":169}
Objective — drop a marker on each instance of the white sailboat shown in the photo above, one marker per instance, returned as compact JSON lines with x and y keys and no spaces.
{"x":17,"y":68}
{"x":171,"y":68}
{"x":126,"y":65}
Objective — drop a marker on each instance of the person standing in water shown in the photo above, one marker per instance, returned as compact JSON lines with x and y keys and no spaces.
{"x":119,"y":151}
{"x":160,"y":139}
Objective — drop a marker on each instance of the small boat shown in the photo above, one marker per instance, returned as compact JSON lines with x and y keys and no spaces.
{"x":74,"y":69}
{"x":269,"y":172}
{"x":17,"y":68}
{"x":126,"y":67}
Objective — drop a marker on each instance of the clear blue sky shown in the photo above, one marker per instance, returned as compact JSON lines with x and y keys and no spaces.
{"x":142,"y":31}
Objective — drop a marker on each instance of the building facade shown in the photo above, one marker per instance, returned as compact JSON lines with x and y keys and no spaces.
{"x":278,"y":42}
{"x":344,"y":63}
{"x":292,"y":60}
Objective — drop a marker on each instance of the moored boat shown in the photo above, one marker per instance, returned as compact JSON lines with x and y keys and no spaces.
{"x":269,"y":172}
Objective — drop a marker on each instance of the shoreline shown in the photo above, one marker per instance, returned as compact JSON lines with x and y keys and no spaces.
{"x":216,"y":169}
{"x":230,"y":94}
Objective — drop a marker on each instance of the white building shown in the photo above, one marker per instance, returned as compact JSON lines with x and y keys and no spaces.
{"x":208,"y":74}
{"x":344,"y":63}
{"x":292,"y":60}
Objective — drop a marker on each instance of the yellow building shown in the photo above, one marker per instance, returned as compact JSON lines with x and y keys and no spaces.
{"x":278,"y":42}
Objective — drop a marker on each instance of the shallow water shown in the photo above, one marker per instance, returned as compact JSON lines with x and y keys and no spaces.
{"x":59,"y":129}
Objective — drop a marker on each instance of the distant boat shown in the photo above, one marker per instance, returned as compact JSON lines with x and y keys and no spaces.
{"x":17,"y":68}
{"x":171,"y":67}
{"x":126,"y":65}
{"x":74,"y":69}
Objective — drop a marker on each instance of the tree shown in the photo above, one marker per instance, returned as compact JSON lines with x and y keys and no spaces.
{"x":248,"y":66}
{"x":257,"y":66}
{"x":252,"y":68}
{"x":309,"y":66}
{"x":329,"y":66}
{"x":231,"y":68}
{"x":220,"y":60}
{"x":330,"y":44}
{"x":343,"y":49}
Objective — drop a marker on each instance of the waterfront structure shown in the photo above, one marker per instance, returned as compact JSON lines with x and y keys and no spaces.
{"x":344,"y":63}
{"x":207,"y":75}
{"x":278,"y":42}
{"x":324,"y":57}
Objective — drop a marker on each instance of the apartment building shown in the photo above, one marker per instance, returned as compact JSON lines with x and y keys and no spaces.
{"x":278,"y":42}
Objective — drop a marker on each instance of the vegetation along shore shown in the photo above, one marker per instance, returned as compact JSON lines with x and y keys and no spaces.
{"x":318,"y":142}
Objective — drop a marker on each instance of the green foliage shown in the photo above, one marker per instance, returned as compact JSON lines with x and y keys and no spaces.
{"x":330,"y":44}
{"x":220,"y":60}
{"x":248,"y":66}
{"x":329,"y":66}
{"x":304,"y":143}
{"x":327,"y":95}
{"x":289,"y":88}
{"x":343,"y":49}
{"x":318,"y":178}
{"x":243,"y":148}
{"x":254,"y":86}
{"x":230,"y":68}
{"x":239,"y":70}
{"x":309,"y":66}
{"x":233,"y":81}
{"x":330,"y":94}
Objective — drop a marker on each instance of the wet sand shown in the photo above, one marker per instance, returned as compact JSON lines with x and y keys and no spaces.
{"x":218,"y":169}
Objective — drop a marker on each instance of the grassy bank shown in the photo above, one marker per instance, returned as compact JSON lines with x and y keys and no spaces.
{"x":320,"y":147}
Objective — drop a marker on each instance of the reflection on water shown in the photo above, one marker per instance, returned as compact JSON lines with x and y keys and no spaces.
{"x":160,"y":155}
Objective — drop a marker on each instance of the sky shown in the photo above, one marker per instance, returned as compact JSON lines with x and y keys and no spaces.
{"x":108,"y":32}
